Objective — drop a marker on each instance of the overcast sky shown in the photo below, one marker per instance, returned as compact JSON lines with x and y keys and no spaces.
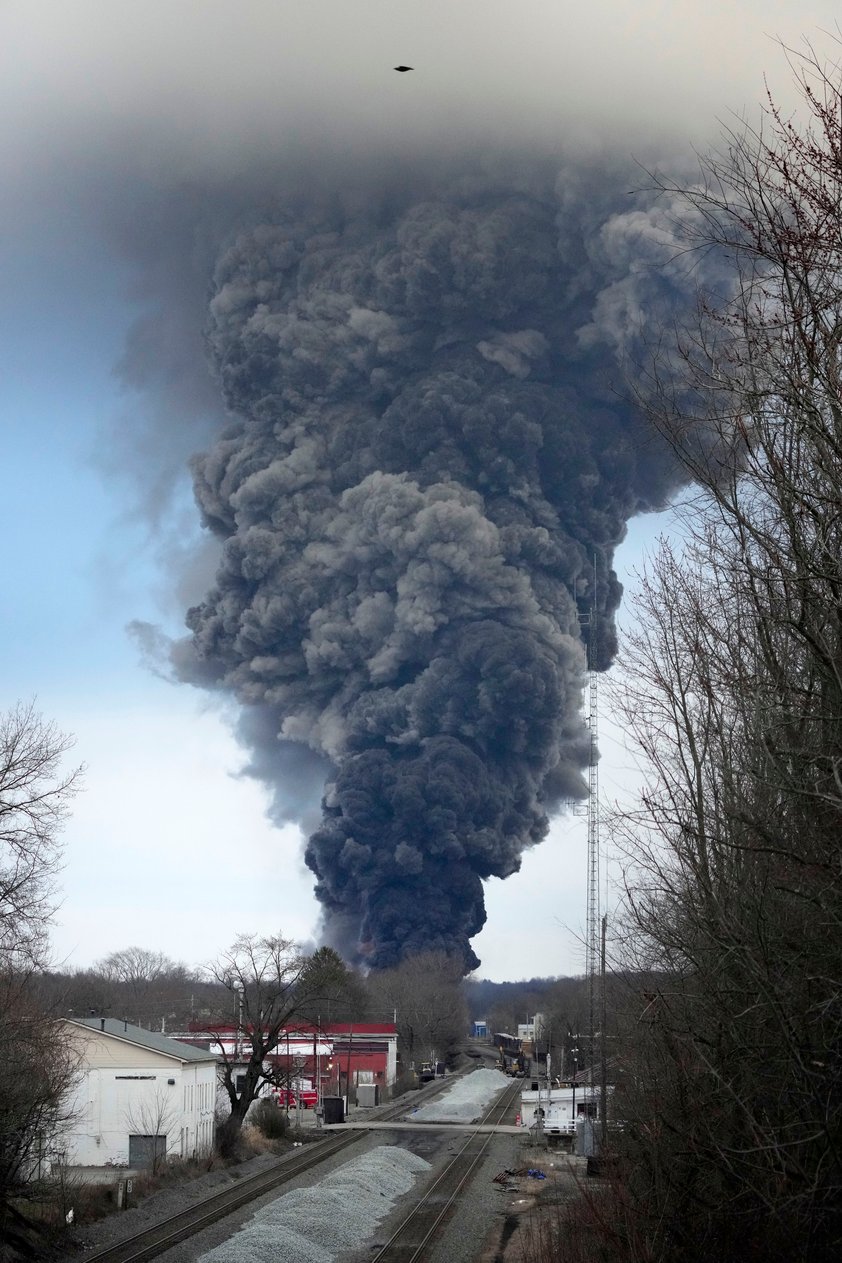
{"x":130,"y":137}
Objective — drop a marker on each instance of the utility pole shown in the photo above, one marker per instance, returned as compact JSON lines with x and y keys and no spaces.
{"x":593,"y":900}
{"x":317,"y":1057}
{"x":238,"y":1043}
{"x":603,"y":1064}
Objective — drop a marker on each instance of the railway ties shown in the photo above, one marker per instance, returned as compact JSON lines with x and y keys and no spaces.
{"x":411,"y":1241}
{"x":160,"y":1237}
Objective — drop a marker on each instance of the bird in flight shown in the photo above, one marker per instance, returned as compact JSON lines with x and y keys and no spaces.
{"x":403,"y":69}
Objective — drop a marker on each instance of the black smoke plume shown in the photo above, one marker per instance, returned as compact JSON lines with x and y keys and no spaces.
{"x":426,"y":454}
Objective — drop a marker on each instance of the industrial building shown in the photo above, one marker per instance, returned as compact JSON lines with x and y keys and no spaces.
{"x":332,"y":1059}
{"x":139,"y":1096}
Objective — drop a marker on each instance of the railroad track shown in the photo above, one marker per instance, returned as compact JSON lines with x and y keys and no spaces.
{"x":427,"y":1217}
{"x":168,"y":1232}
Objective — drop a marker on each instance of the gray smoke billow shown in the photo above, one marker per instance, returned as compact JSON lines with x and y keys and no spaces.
{"x":425,"y":456}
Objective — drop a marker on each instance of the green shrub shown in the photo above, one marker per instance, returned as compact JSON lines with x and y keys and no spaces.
{"x":270,"y":1119}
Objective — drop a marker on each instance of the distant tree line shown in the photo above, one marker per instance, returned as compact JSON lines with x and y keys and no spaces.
{"x":140,"y":984}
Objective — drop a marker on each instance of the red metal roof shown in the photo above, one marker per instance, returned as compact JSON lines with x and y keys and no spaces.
{"x":383,"y":1029}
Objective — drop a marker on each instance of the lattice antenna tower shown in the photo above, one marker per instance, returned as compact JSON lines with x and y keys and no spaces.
{"x":592,"y":928}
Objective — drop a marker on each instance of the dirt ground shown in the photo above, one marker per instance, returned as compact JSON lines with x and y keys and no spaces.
{"x":510,"y":1239}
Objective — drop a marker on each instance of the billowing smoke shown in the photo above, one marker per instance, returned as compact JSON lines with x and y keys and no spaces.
{"x":427,"y":454}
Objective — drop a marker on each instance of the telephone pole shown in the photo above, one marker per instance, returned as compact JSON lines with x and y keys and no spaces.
{"x":592,"y":948}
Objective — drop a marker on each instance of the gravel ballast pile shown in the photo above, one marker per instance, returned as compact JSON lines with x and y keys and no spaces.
{"x":465,"y":1101}
{"x":313,"y":1225}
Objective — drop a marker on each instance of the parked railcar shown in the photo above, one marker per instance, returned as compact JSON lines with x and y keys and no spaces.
{"x":513,"y":1060}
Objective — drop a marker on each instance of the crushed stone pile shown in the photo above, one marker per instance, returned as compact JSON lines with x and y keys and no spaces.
{"x":465,"y":1101}
{"x":313,"y":1225}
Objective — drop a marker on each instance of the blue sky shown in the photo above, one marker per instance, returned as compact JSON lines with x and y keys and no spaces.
{"x":168,"y":847}
{"x":162,"y":820}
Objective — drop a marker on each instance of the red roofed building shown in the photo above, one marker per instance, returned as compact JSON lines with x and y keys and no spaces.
{"x":338,"y":1055}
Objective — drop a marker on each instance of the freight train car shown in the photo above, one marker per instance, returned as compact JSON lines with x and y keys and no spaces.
{"x":513,"y":1060}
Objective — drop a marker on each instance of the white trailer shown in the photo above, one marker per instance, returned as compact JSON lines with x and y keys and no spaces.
{"x":558,"y":1109}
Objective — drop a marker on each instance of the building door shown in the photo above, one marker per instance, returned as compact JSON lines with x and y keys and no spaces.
{"x":147,"y":1151}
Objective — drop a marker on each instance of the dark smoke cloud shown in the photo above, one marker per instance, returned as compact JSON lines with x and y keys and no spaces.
{"x":426,"y":456}
{"x":424,"y":448}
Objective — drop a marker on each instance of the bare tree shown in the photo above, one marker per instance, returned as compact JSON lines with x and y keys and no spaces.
{"x":35,"y":794}
{"x":146,"y":983}
{"x":137,"y":966}
{"x":36,"y":1067}
{"x":732,"y":1100}
{"x":263,"y":978}
{"x":425,"y":994}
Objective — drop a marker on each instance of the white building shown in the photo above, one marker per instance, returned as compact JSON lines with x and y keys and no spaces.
{"x":138,"y":1095}
{"x":560,"y":1109}
{"x":532,"y":1029}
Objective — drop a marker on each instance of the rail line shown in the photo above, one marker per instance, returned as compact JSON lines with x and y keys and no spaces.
{"x":168,"y":1232}
{"x":154,"y":1240}
{"x":426,"y":1218}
